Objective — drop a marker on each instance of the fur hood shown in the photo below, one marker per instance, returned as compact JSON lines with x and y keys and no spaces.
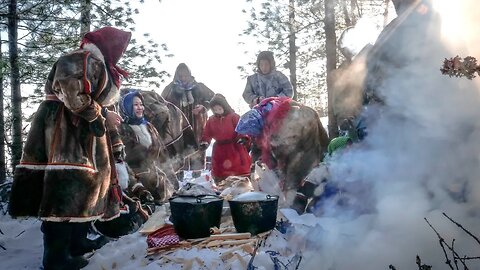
{"x":266,"y":55}
{"x":220,"y":100}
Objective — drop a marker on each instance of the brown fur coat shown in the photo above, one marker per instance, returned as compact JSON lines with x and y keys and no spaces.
{"x":150,"y":164}
{"x":175,"y":131}
{"x":67,"y":171}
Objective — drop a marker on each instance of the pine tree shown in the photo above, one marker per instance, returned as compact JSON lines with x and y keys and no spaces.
{"x":48,"y":29}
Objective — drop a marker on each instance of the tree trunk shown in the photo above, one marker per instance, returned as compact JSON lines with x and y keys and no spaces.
{"x":385,"y":13}
{"x":331,"y":51}
{"x":354,"y":6}
{"x":2,"y":123}
{"x":16,"y":95}
{"x":292,"y":28}
{"x":348,"y":21}
{"x":86,"y":7}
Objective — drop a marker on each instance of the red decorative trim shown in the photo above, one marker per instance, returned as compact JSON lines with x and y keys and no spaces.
{"x":52,"y":97}
{"x":86,"y":83}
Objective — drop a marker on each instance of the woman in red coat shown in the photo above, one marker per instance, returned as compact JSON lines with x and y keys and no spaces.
{"x":230,"y":155}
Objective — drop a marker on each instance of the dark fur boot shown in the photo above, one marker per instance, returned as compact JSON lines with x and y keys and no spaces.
{"x":56,"y":247}
{"x":80,"y":243}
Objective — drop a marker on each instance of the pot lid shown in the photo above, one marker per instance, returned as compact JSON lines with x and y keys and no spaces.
{"x":195,"y":199}
{"x":252,"y":196}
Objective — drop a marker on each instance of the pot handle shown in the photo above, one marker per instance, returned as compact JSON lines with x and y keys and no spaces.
{"x":268,"y":196}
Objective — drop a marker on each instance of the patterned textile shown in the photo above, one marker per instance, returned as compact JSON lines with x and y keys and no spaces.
{"x":185,"y":85}
{"x":263,"y":120}
{"x":250,"y":123}
{"x":163,"y":237}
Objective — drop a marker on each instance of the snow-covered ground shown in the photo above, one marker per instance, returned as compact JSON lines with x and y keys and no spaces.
{"x":22,"y":244}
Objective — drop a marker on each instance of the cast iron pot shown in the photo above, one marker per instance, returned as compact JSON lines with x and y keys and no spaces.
{"x":254,"y":212}
{"x":193,"y":216}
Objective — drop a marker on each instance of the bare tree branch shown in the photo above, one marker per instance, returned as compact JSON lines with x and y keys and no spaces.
{"x":442,"y":242}
{"x":461,"y":227}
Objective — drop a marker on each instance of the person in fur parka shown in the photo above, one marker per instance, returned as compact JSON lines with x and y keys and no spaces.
{"x":67,"y":176}
{"x":145,"y":153}
{"x":192,"y":98}
{"x":266,"y":82}
{"x":229,"y":155}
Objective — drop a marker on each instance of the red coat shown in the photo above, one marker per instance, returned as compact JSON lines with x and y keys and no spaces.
{"x":228,"y":157}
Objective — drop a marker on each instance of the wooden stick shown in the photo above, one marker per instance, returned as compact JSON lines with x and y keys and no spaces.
{"x":230,"y":242}
{"x":235,"y":236}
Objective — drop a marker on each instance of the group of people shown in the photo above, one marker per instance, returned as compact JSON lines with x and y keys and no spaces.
{"x":71,"y":172}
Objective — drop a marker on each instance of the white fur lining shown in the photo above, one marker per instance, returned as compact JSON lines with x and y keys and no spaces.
{"x":122,"y":174}
{"x":95,"y":50}
{"x":52,"y":167}
{"x":126,"y":210}
{"x":71,"y":219}
{"x":114,"y":92}
{"x":143,"y":135}
{"x":31,"y":167}
{"x":137,"y":185}
{"x":108,"y":219}
{"x":94,"y":152}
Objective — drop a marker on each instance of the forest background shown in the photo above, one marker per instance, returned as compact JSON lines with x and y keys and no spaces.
{"x":302,"y":34}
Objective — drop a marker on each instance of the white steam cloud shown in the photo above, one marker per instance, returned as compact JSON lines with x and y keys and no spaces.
{"x":421,"y":158}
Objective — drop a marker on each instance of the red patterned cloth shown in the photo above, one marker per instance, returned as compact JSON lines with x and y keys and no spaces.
{"x":163,"y":237}
{"x":273,"y":120}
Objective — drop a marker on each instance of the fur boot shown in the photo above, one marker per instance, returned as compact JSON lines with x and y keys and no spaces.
{"x":80,"y":243}
{"x":56,"y":247}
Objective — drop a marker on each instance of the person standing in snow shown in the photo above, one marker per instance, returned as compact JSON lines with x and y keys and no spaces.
{"x":265,"y":83}
{"x":145,"y":153}
{"x":67,"y":176}
{"x":192,"y":98}
{"x":229,"y":155}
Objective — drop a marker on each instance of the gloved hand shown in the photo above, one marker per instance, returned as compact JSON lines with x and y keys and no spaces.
{"x":242,"y":141}
{"x":203,"y":146}
{"x":259,"y":99}
{"x":145,"y":196}
{"x":97,"y":126}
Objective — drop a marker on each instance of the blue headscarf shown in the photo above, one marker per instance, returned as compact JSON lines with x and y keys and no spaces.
{"x":126,"y":108}
{"x":187,"y":86}
{"x":251,"y":123}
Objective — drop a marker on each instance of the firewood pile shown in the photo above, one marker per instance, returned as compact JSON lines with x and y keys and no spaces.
{"x":458,"y":67}
{"x":222,"y":239}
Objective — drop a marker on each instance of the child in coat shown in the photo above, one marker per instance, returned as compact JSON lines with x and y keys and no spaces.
{"x":229,"y":155}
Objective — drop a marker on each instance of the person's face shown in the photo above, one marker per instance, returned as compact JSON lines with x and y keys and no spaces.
{"x":217,"y":109}
{"x":183,"y":76}
{"x":138,"y":107}
{"x":264,"y":66}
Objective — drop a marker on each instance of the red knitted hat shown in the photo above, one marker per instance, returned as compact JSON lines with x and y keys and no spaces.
{"x":112,"y":43}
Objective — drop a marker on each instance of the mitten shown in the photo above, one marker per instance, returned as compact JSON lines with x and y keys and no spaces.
{"x":242,"y":140}
{"x":145,"y":196}
{"x":203,"y":146}
{"x":97,"y":126}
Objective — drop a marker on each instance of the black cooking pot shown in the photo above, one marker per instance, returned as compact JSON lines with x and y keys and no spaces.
{"x":254,"y":212}
{"x":193,"y":216}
